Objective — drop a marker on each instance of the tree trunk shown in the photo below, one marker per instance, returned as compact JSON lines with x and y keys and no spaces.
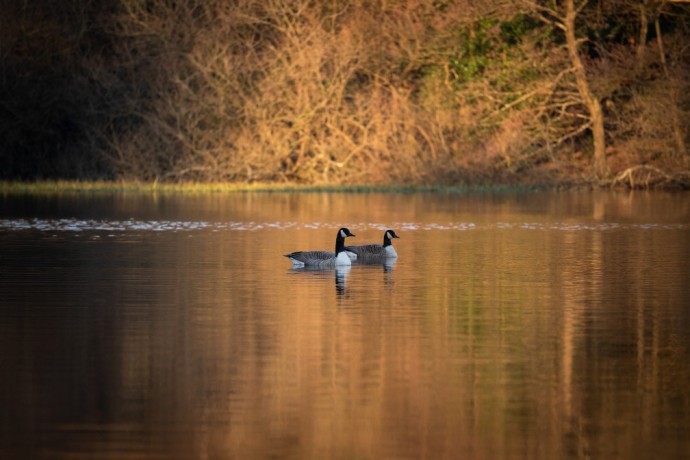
{"x":642,"y":39}
{"x":678,"y":134}
{"x":596,"y":115}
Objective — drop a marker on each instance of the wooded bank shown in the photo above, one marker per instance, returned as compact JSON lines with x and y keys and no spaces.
{"x":346,"y":92}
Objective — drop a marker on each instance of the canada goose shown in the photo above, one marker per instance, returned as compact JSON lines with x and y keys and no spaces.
{"x":324,"y":259}
{"x":376,"y":251}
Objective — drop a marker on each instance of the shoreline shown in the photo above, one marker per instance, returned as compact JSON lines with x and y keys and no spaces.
{"x":632,"y":180}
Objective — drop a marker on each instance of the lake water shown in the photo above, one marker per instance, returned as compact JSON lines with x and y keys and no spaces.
{"x":516,"y":326}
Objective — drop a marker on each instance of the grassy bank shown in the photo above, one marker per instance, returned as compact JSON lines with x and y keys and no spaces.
{"x":49,"y":187}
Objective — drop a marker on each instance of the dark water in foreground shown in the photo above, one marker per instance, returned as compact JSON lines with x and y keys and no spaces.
{"x":526,"y":326}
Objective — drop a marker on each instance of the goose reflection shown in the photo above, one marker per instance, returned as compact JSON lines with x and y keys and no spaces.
{"x":387,"y":263}
{"x":340,"y":277}
{"x":341,"y":274}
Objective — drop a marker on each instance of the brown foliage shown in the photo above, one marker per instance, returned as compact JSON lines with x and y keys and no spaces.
{"x":397,"y":91}
{"x":277,"y":91}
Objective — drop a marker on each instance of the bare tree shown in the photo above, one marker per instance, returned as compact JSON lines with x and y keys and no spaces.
{"x":373,"y":91}
{"x":563,"y":15}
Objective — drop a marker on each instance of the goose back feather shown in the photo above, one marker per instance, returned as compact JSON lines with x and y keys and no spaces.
{"x":376,"y":251}
{"x":324,"y":259}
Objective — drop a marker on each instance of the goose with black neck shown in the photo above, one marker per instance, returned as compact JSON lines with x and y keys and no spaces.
{"x":324,"y":259}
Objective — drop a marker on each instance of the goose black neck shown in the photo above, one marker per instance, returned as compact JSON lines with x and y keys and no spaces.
{"x":386,"y":240}
{"x":339,"y":244}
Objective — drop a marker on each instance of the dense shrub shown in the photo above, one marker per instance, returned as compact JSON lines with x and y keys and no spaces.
{"x":330,"y":92}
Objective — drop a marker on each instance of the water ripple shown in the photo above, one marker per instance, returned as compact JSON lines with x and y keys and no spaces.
{"x":115,"y":226}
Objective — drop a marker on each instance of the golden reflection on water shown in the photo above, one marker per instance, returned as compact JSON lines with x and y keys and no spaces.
{"x":510,"y":339}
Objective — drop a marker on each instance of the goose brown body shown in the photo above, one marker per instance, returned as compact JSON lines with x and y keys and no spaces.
{"x":376,"y":251}
{"x":324,"y":259}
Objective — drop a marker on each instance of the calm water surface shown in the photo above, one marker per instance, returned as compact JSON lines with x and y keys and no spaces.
{"x":520,"y":326}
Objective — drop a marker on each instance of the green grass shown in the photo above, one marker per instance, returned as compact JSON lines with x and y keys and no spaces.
{"x":52,"y":187}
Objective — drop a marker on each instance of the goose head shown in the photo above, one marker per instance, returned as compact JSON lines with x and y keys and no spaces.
{"x":388,"y":236}
{"x":340,"y":239}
